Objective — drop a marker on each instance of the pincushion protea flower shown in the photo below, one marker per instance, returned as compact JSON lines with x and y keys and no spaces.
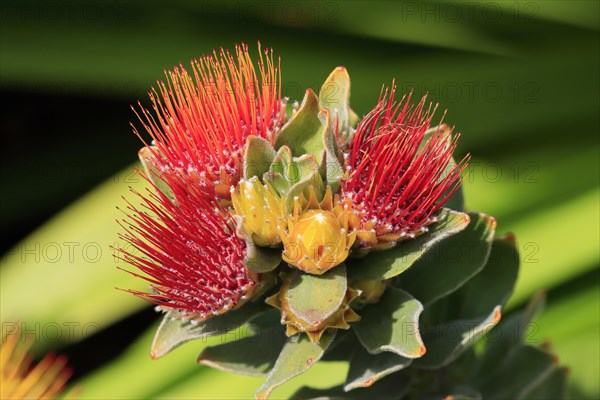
{"x":397,"y":177}
{"x":20,"y":380}
{"x":188,"y":250}
{"x":202,"y":118}
{"x":250,"y":206}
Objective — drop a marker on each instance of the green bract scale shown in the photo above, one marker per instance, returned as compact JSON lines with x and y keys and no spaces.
{"x":334,"y":237}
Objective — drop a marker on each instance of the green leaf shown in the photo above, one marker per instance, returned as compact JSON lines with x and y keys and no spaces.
{"x":510,"y":331}
{"x":389,"y":263}
{"x":261,"y":259}
{"x":366,"y":369}
{"x":517,"y":373}
{"x":344,"y":344}
{"x":552,"y":386}
{"x":331,"y":168}
{"x":296,"y":357}
{"x":448,"y":341}
{"x":451,"y":262}
{"x":393,"y":387}
{"x":254,"y":355}
{"x":173,"y":332}
{"x":309,"y":131}
{"x":303,"y":133}
{"x":494,"y":284}
{"x":314,"y":298}
{"x":258,"y":156}
{"x":146,"y":155}
{"x":335,"y":97}
{"x":392,"y":325}
{"x":293,"y":176}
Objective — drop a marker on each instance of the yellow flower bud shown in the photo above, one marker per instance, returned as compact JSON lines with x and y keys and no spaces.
{"x":316,"y":239}
{"x":261,"y":209}
{"x":316,"y":242}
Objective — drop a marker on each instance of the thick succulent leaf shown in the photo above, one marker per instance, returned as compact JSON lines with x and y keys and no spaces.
{"x":517,"y":373}
{"x":451,"y":262}
{"x":292,"y":176}
{"x":335,"y":97}
{"x":446,"y":342}
{"x":366,"y":369}
{"x":261,"y":259}
{"x":331,"y":167}
{"x":173,"y":332}
{"x":494,"y":284}
{"x":392,"y":325}
{"x":258,"y":157}
{"x":490,"y":287}
{"x":314,"y":298}
{"x":552,"y":386}
{"x":510,"y":332}
{"x":389,"y":388}
{"x":296,"y":357}
{"x":282,"y":172}
{"x":309,"y":177}
{"x":254,"y":355}
{"x":303,"y":133}
{"x":146,"y":155}
{"x":287,"y":171}
{"x":389,"y":263}
{"x":342,"y":347}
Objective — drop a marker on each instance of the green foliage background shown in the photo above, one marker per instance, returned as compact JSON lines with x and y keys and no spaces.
{"x":520,"y":80}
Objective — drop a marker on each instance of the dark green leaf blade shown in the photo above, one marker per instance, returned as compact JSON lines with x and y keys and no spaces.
{"x":448,"y":341}
{"x":515,"y":373}
{"x":552,"y":386}
{"x":392,"y":325}
{"x":494,"y":284}
{"x":510,"y":332}
{"x":389,"y":263}
{"x":254,"y":355}
{"x":451,"y":262}
{"x":173,"y":332}
{"x":296,"y":357}
{"x":392,"y":387}
{"x":366,"y":369}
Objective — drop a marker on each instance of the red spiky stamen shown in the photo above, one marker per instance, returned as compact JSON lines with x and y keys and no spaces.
{"x":398,"y":178}
{"x":201,"y":120}
{"x":187,"y":250}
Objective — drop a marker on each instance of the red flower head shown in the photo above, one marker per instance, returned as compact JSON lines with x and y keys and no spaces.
{"x":202,"y":118}
{"x":188,"y":250}
{"x":20,"y":379}
{"x":399,"y":171}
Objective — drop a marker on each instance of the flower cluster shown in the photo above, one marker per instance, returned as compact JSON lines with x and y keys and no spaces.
{"x":326,"y":232}
{"x":244,"y":189}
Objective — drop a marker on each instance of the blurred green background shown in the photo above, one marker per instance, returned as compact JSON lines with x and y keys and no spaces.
{"x":520,"y":80}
